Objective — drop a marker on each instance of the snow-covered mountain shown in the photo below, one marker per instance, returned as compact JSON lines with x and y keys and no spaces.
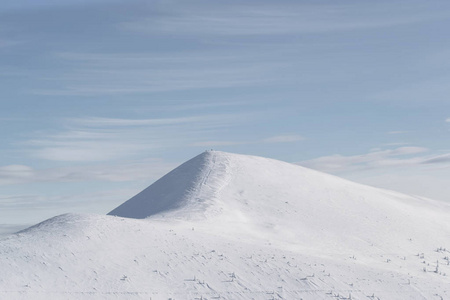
{"x":228,"y":226}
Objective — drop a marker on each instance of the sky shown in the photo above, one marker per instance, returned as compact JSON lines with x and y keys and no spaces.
{"x":98,"y":99}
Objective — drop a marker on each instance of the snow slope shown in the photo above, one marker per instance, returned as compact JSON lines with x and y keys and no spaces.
{"x":231,"y":226}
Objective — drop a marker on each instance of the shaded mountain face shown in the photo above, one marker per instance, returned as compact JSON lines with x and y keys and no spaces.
{"x":174,"y":191}
{"x":188,"y":192}
{"x":233,"y":226}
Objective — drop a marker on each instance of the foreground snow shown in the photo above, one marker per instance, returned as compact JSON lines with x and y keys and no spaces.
{"x":238,"y":227}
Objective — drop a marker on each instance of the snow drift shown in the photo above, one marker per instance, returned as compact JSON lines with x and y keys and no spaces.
{"x":232,"y":226}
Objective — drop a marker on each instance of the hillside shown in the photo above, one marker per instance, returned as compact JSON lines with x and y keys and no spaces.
{"x":238,"y":227}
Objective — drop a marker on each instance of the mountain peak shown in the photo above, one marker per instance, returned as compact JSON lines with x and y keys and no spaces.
{"x":267,"y":197}
{"x":188,"y":186}
{"x":234,"y":226}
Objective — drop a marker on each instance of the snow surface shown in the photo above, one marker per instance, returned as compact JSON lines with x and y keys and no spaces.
{"x":228,"y":226}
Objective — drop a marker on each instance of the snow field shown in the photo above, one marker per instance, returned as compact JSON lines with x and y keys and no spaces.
{"x":227,"y":226}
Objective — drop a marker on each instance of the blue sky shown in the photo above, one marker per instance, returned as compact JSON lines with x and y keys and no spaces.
{"x":100,"y":98}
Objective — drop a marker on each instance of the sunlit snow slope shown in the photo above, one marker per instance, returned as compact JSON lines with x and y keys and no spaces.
{"x":231,"y":226}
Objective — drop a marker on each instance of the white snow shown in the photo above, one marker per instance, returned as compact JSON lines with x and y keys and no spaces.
{"x":228,"y":226}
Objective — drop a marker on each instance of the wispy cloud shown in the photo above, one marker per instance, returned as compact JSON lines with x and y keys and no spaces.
{"x":418,"y":91}
{"x":15,"y":173}
{"x":216,"y":143}
{"x":106,"y":139}
{"x":185,"y":67}
{"x":116,"y":122}
{"x":131,"y":73}
{"x":243,"y":20}
{"x":403,"y":156}
{"x":182,"y":105}
{"x":26,"y":201}
{"x":397,"y":132}
{"x":445,"y":158}
{"x":396,"y":144}
{"x":284,"y":139}
{"x":148,"y":169}
{"x":272,"y":139}
{"x":447,"y":120}
{"x":35,"y":207}
{"x":8,"y":43}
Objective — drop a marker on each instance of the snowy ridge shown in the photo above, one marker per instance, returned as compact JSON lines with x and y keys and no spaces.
{"x":233,"y":226}
{"x":191,"y":188}
{"x":269,"y":198}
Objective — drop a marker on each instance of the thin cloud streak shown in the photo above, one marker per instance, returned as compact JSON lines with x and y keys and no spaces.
{"x":116,"y":122}
{"x":272,"y":140}
{"x":36,"y":207}
{"x":181,"y":105}
{"x":105,"y":139}
{"x":217,"y":143}
{"x":15,"y":173}
{"x":9,"y":43}
{"x":435,"y":90}
{"x":243,"y":20}
{"x":149,"y":169}
{"x":445,"y":158}
{"x":112,"y":74}
{"x":372,"y":160}
{"x":284,"y":139}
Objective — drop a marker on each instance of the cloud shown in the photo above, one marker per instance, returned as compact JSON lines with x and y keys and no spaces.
{"x":108,"y":139}
{"x":18,"y":202}
{"x":195,"y":106}
{"x":8,"y":43}
{"x":269,"y":19}
{"x":131,"y":73}
{"x":284,"y":139}
{"x":148,"y":169}
{"x":94,"y":139}
{"x":432,"y":90}
{"x":37,"y":206}
{"x":216,"y":143}
{"x":396,"y":144}
{"x":228,"y":65}
{"x":117,"y":122}
{"x":15,"y":173}
{"x":273,"y":139}
{"x":373,"y":160}
{"x":445,"y":158}
{"x":447,"y":120}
